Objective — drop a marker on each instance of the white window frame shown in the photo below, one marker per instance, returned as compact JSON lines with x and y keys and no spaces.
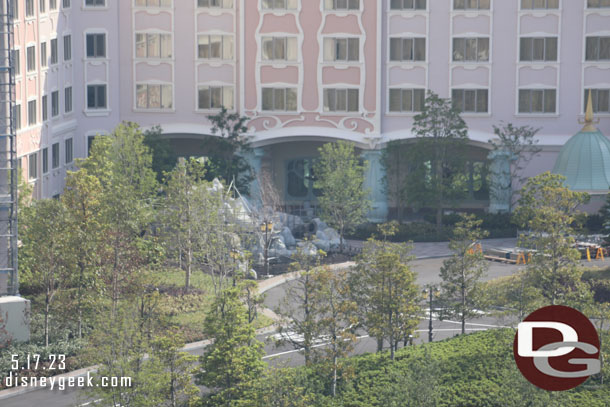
{"x":336,"y":5}
{"x":342,"y":88}
{"x":545,"y":41}
{"x":285,"y":89}
{"x":542,"y":113}
{"x":476,"y":100}
{"x":405,"y":2}
{"x":107,"y":101}
{"x":288,"y":40}
{"x":222,"y":46}
{"x":223,"y":4}
{"x":413,"y":40}
{"x":223,"y":88}
{"x":405,"y":112}
{"x":160,"y":108}
{"x":96,"y":33}
{"x":471,"y":61}
{"x":334,"y":40}
{"x":289,"y":5}
{"x":147,"y":48}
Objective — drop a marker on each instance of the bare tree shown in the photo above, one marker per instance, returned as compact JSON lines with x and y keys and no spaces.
{"x":270,"y":204}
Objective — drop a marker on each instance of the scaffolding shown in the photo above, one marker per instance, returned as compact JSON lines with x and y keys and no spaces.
{"x":9,"y":282}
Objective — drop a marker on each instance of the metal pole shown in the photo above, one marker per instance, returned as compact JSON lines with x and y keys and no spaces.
{"x":430,"y":321}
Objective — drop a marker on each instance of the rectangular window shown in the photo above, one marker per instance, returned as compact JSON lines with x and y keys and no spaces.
{"x":44,"y":108}
{"x":53,"y":4}
{"x":215,"y":97}
{"x":68,"y":150}
{"x":153,"y":45}
{"x":15,"y":9}
{"x":598,"y":49}
{"x":538,"y":49}
{"x":29,"y":8}
{"x":598,"y":3}
{"x":89,"y":144}
{"x":45,"y":160}
{"x":537,"y":100}
{"x":43,"y":6}
{"x":54,"y":103}
{"x":68,"y":99}
{"x":470,"y":100}
{"x":96,"y":45}
{"x":154,"y":3}
{"x":31,"y":58}
{"x":150,"y":96}
{"x":471,"y":49}
{"x":407,"y":49}
{"x":33,"y":166}
{"x":32,"y":119}
{"x":407,"y":100}
{"x":54,"y":54}
{"x":539,"y":4}
{"x":341,"y":100}
{"x":96,"y":96}
{"x":95,"y":3}
{"x":215,"y":47}
{"x":55,"y":155}
{"x":280,"y":4}
{"x":17,"y":116}
{"x":215,"y":3}
{"x":280,"y":99}
{"x":408,"y":4}
{"x":471,"y":4}
{"x":342,"y":4}
{"x":66,"y":4}
{"x":341,"y":49}
{"x":16,"y":61}
{"x":600,"y":99}
{"x":279,"y":49}
{"x":43,"y":54}
{"x":67,"y":47}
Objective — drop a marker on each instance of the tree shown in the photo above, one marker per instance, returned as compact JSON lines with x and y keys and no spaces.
{"x":547,"y":210}
{"x":226,"y":151}
{"x":232,"y":363}
{"x":462,"y":293}
{"x":395,"y":167}
{"x":438,"y":169}
{"x":164,"y":157}
{"x":520,"y":145}
{"x":278,"y":387}
{"x":267,"y":213}
{"x":605,"y":215}
{"x":384,"y":288}
{"x":340,"y":177}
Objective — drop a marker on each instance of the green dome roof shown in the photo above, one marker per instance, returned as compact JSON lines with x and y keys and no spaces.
{"x":585,"y":161}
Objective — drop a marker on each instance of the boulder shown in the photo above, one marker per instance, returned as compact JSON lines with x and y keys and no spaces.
{"x":331,"y":233}
{"x":319,"y":224}
{"x":320,"y":235}
{"x":277,"y":244}
{"x":288,"y":238}
{"x":308,"y":248}
{"x":335,"y":244}
{"x":322,"y":244}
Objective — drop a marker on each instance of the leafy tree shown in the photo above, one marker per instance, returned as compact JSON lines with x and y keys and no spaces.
{"x":605,"y":215}
{"x":436,"y":176}
{"x":516,"y":295}
{"x":547,"y":211}
{"x":384,"y":288}
{"x":396,"y":166}
{"x":278,"y":387}
{"x":521,"y":146}
{"x":340,"y":177}
{"x":226,"y":151}
{"x":232,"y":363}
{"x":461,"y":274}
{"x":164,"y":158}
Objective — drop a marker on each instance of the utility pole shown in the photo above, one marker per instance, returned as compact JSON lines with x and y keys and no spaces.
{"x":429,"y":292}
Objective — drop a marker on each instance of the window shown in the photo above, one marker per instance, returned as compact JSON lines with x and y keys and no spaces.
{"x":154,"y":3}
{"x":215,"y":47}
{"x":96,"y":96}
{"x":17,"y":116}
{"x":341,"y":100}
{"x":407,"y":49}
{"x":215,"y":97}
{"x":279,"y":48}
{"x":154,"y":96}
{"x":55,"y":155}
{"x":15,"y":9}
{"x":95,"y":3}
{"x":537,"y":100}
{"x":598,"y":48}
{"x":280,"y":4}
{"x":29,"y":8}
{"x":43,"y":54}
{"x":341,"y":49}
{"x":598,"y":3}
{"x":54,"y":57}
{"x":53,"y":4}
{"x":408,"y":4}
{"x":66,"y":4}
{"x":45,"y":160}
{"x":215,"y":3}
{"x":407,"y":100}
{"x":539,"y":4}
{"x":538,"y":49}
{"x":68,"y":150}
{"x":31,"y":58}
{"x":16,"y":61}
{"x":54,"y":103}
{"x":43,"y":6}
{"x":153,"y":45}
{"x":600,"y":99}
{"x":32,"y":119}
{"x":68,"y":99}
{"x":280,"y":99}
{"x":96,"y":45}
{"x":470,"y":100}
{"x":67,"y":47}
{"x":300,"y":179}
{"x":89,"y":144}
{"x":471,"y":4}
{"x":342,"y":4}
{"x":33,"y":166}
{"x":44,"y":108}
{"x":471,"y":49}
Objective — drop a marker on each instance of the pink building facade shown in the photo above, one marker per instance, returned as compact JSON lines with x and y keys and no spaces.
{"x":306,"y":72}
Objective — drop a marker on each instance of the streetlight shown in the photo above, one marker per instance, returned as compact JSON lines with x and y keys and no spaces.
{"x":430,"y":291}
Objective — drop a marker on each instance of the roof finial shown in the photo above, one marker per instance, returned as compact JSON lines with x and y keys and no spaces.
{"x":589,"y":121}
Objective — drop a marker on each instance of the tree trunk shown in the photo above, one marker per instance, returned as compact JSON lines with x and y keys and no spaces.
{"x":46,"y":320}
{"x":335,"y":374}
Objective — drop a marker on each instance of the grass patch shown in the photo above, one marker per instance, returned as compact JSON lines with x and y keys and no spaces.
{"x":596,"y":273}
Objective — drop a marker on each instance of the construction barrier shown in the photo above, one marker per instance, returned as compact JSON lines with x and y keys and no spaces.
{"x":599,"y":255}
